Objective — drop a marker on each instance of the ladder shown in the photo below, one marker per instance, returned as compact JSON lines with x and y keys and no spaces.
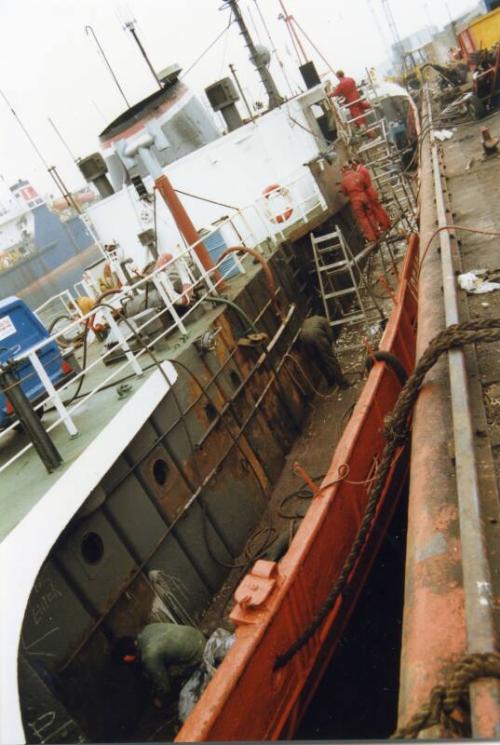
{"x":340,"y":277}
{"x":384,"y":161}
{"x":381,"y":157}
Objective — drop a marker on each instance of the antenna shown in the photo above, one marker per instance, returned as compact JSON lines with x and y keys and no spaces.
{"x":130,"y":26}
{"x":63,"y":141}
{"x":89,"y":29}
{"x":52,"y":170}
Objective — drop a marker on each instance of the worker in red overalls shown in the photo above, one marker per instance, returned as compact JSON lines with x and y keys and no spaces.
{"x":382,"y":218}
{"x":353,"y":186}
{"x":347,"y":88}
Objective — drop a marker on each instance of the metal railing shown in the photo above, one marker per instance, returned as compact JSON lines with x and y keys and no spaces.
{"x":198,"y":284}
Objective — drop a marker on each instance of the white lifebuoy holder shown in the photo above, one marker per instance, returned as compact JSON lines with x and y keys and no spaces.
{"x":281,"y":200}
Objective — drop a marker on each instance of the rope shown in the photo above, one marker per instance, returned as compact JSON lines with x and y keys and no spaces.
{"x":452,"y":697}
{"x":396,"y":431}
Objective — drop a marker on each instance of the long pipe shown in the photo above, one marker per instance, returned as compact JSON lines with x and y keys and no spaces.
{"x":447,"y":582}
{"x":433,"y":620}
{"x":243,"y":97}
{"x":480,"y":625}
{"x":186,"y":227}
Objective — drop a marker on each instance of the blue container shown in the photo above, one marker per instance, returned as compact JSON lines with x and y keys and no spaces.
{"x":216,"y":245}
{"x":20,"y":330}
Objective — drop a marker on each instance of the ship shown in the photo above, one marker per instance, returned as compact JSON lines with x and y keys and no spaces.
{"x":184,"y":435}
{"x":44,"y":246}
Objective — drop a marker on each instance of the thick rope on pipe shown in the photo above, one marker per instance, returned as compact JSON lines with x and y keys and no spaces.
{"x":452,"y":698}
{"x":397,"y":429}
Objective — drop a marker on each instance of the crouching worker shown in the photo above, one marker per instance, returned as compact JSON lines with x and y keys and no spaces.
{"x":316,"y":339}
{"x":168,"y":652}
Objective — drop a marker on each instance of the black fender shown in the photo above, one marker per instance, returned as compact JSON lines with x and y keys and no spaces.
{"x":391,"y":360}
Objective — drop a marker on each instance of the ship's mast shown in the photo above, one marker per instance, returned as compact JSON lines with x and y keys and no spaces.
{"x":257,"y":57}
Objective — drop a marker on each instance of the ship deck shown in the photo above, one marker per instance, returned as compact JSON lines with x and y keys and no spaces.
{"x":25,"y":481}
{"x":444,"y":580}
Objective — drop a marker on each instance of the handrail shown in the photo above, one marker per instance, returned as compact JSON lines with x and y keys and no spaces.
{"x":159,"y":277}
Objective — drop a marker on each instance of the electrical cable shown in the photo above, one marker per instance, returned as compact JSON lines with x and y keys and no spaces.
{"x":205,"y":199}
{"x":465,"y":228}
{"x":205,"y":51}
{"x":231,"y":304}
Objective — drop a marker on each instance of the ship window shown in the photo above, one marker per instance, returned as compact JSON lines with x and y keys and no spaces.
{"x":92,"y":548}
{"x":160,"y":471}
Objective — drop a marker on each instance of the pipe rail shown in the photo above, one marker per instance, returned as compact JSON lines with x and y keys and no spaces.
{"x":481,"y":636}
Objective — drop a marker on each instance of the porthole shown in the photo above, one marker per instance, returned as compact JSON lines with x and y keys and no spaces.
{"x":160,"y":471}
{"x":92,"y":548}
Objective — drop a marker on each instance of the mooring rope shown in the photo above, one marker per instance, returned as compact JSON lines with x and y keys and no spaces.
{"x":396,"y":431}
{"x":452,"y":697}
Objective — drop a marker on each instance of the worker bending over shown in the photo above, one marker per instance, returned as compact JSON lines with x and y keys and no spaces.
{"x":169,"y":652}
{"x":354,"y":187}
{"x":382,"y":218}
{"x":317,"y":340}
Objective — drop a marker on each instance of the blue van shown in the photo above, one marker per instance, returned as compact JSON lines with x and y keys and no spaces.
{"x":20,"y":330}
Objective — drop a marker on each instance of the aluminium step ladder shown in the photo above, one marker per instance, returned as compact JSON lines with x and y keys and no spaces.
{"x":340,"y":276}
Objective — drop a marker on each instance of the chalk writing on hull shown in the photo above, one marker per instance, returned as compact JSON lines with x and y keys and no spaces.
{"x":43,"y":603}
{"x":42,"y":728}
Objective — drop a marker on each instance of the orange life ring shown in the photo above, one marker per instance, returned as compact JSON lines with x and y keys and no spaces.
{"x":276,"y":189}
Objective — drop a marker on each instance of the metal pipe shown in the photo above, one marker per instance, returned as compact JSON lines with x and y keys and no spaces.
{"x":28,"y":417}
{"x":433,"y":624}
{"x":186,"y":227}
{"x":480,"y":625}
{"x":240,"y":89}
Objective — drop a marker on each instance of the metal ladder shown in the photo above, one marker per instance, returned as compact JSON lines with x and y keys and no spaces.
{"x":385,"y":164}
{"x":379,"y":155}
{"x":333,"y":257}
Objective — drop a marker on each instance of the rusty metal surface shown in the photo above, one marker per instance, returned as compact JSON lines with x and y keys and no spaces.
{"x":481,"y":636}
{"x":433,"y":621}
{"x":190,"y":486}
{"x":449,"y":607}
{"x":277,"y":601}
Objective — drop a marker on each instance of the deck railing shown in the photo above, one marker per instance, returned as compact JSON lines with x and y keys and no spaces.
{"x":246,"y":222}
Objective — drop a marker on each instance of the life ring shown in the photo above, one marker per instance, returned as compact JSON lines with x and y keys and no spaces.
{"x":275,"y":190}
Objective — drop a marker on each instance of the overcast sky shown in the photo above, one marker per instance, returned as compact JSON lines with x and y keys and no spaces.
{"x":51,"y":68}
